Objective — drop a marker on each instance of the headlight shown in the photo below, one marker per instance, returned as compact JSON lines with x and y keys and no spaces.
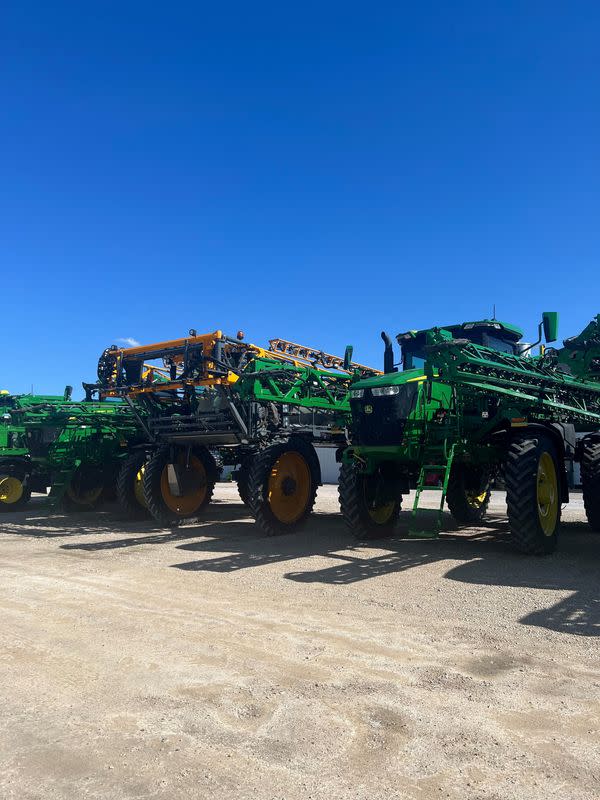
{"x":357,"y":392}
{"x":385,"y":391}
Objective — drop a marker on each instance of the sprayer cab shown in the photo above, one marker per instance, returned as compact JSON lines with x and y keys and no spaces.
{"x":489,"y":333}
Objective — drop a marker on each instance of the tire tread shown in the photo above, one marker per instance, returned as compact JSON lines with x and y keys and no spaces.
{"x":590,"y":479}
{"x":456,"y":500}
{"x":521,"y":469}
{"x":126,"y":498}
{"x":354,"y":512}
{"x":152,"y":475}
{"x":258,"y":476}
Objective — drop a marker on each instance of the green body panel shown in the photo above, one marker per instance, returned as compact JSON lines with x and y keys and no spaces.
{"x":391,"y":379}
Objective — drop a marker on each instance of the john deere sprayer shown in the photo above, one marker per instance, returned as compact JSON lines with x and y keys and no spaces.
{"x":53,"y":441}
{"x":470,"y":404}
{"x":214,"y":397}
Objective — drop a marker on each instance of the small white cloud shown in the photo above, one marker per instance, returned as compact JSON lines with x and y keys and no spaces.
{"x":129,"y":341}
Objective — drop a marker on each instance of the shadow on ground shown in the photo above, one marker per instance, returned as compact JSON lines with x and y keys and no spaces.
{"x":38,"y":520}
{"x":228,"y":534}
{"x":243,"y":547}
{"x":575,"y":566}
{"x":486,"y":554}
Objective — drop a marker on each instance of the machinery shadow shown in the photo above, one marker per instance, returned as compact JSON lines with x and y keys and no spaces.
{"x":226,"y":540}
{"x":247,"y":547}
{"x":575,"y":567}
{"x":399,"y":553}
{"x":578,"y":615}
{"x":152,"y":533}
{"x":39,"y":521}
{"x":326,"y":535}
{"x":60,"y":526}
{"x":486,"y":552}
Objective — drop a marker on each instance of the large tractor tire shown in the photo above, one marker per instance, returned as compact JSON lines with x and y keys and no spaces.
{"x":85,"y":490}
{"x":14,"y":495}
{"x":533,"y":494}
{"x":197,"y":474}
{"x":130,"y":486}
{"x":369,"y":512}
{"x":590,"y":478}
{"x":282,"y":485}
{"x":469,"y":492}
{"x":243,"y":477}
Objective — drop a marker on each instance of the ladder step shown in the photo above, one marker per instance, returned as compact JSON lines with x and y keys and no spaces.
{"x":442,"y":487}
{"x":413,"y":534}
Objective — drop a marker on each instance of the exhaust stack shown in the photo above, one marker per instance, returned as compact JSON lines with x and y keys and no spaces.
{"x":388,"y":354}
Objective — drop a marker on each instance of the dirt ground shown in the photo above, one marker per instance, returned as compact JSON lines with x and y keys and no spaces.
{"x":211,"y":662}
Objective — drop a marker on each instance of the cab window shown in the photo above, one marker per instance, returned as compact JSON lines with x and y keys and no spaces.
{"x":413,"y":359}
{"x":498,"y":344}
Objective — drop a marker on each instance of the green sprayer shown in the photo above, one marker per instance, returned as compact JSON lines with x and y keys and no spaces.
{"x":471,"y":405}
{"x":72,"y":447}
{"x":221,"y":399}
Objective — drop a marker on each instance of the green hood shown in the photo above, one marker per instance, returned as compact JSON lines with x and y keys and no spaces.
{"x":389,"y":379}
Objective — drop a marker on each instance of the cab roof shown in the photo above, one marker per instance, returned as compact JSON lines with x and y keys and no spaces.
{"x":491,"y":326}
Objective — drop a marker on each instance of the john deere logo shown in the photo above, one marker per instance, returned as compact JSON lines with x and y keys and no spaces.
{"x":368,"y":409}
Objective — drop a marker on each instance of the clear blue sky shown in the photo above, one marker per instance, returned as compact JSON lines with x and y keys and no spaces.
{"x":315,"y":171}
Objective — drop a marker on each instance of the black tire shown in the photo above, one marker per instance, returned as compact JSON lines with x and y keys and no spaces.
{"x":243,"y":477}
{"x":357,"y":494}
{"x":7,"y":506}
{"x":85,"y":491}
{"x":533,"y":523}
{"x":168,"y":509}
{"x":469,"y":492}
{"x":298,"y":480}
{"x":590,"y":479}
{"x":129,"y":483}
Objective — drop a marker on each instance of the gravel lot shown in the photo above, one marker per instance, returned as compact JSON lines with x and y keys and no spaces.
{"x":210,"y":662}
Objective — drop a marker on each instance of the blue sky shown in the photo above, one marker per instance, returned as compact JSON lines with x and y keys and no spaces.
{"x":314,"y":171}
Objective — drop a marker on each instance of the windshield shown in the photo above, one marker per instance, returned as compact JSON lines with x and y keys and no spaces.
{"x":499,"y":344}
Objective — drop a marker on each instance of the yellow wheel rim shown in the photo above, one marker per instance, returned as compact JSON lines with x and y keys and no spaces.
{"x":11,"y":490}
{"x":85,"y":498}
{"x":289,"y":487}
{"x":477,"y":500}
{"x":195,"y":486}
{"x":382,"y":513}
{"x":547,"y":494}
{"x":138,"y":487}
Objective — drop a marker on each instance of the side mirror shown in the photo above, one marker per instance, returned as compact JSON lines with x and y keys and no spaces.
{"x":348,"y":357}
{"x":550,"y":324}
